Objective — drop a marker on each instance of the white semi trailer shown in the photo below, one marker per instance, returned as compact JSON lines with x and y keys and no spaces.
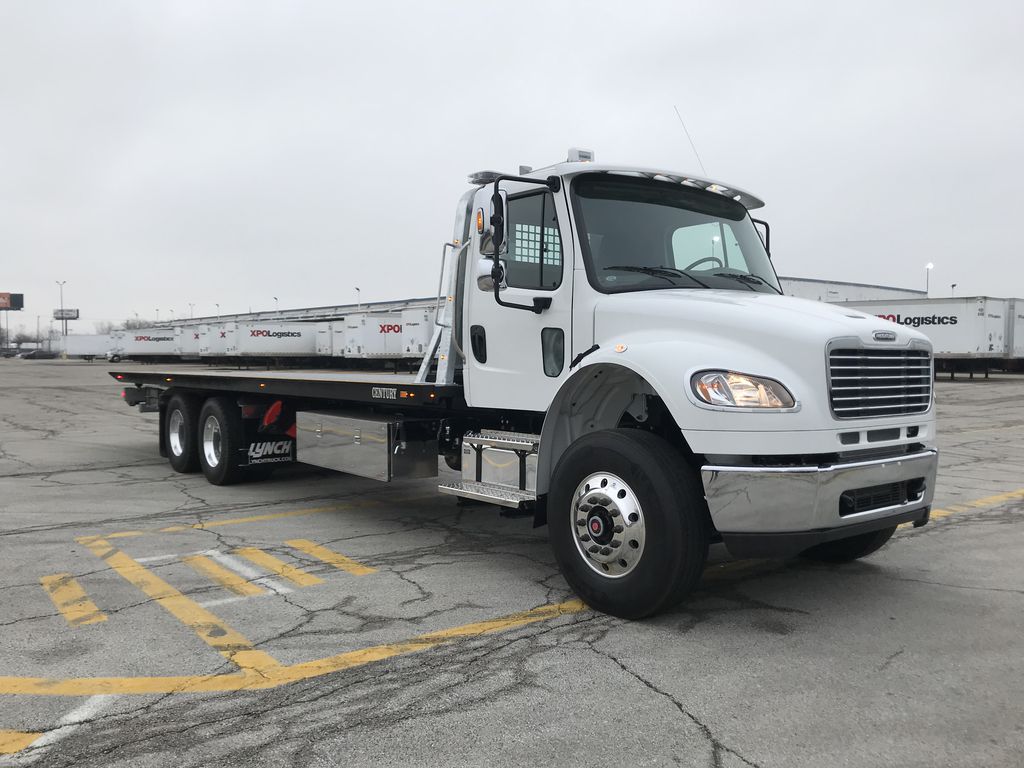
{"x":613,"y":356}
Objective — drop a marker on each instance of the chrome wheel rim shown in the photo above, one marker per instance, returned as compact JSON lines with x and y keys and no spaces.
{"x":212,"y":441}
{"x":176,"y":432}
{"x":608,"y":525}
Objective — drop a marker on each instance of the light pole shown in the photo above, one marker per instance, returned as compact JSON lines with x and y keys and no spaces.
{"x":191,"y":310}
{"x":158,"y":315}
{"x":952,"y":289}
{"x":63,"y":322}
{"x":927,"y":273}
{"x":277,"y":305}
{"x":218,"y":310}
{"x":359,"y":300}
{"x":172,"y":314}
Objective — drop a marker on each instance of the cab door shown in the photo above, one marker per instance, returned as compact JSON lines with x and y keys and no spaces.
{"x":515,"y":358}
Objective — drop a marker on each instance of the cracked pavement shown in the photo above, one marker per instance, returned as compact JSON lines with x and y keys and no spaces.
{"x":911,"y":657}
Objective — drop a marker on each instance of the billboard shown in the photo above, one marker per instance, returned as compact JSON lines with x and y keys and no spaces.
{"x":65,"y":314}
{"x":12,"y":301}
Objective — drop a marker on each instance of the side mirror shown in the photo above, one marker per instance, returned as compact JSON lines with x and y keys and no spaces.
{"x":485,"y":269}
{"x":499,"y":226}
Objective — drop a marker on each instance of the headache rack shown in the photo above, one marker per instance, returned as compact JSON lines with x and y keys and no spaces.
{"x":871,"y":383}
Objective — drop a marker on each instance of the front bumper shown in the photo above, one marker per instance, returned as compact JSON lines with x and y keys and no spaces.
{"x":779,"y":511}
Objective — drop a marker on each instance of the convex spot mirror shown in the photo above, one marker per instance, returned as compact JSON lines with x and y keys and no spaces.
{"x":485,"y":275}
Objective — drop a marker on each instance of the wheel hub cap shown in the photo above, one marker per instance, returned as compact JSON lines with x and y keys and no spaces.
{"x":212,"y":441}
{"x":176,"y":432}
{"x":608,"y":525}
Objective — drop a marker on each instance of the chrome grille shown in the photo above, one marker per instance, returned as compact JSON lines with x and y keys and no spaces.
{"x":869,"y":383}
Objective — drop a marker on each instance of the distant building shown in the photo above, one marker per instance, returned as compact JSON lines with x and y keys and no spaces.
{"x":837,"y":292}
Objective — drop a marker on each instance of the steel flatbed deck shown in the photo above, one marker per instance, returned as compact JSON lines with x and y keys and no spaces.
{"x":380,"y":387}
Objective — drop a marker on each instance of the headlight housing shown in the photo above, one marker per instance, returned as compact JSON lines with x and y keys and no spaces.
{"x":729,"y":389}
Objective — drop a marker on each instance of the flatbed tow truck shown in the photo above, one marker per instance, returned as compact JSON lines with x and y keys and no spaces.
{"x":614,"y":358}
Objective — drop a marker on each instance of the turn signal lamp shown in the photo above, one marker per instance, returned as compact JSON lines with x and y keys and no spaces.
{"x":479,"y":221}
{"x":739,"y":390}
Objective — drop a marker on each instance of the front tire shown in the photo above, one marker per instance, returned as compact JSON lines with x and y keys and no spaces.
{"x":853,"y":548}
{"x":628,"y":523}
{"x":220,"y":437}
{"x":182,"y":420}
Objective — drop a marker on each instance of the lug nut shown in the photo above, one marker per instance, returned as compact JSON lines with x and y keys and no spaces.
{"x":581,"y":522}
{"x":614,"y":512}
{"x":605,"y":551}
{"x":585,"y":537}
{"x":615,"y":544}
{"x":617,"y":529}
{"x":593,"y":548}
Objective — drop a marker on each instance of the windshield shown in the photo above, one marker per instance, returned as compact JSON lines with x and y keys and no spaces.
{"x":643,"y":234}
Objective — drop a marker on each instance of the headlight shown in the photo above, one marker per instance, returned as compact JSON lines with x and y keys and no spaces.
{"x":738,"y":390}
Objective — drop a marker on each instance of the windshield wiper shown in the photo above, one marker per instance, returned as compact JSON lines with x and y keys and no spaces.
{"x":665,"y":272}
{"x":745,"y":278}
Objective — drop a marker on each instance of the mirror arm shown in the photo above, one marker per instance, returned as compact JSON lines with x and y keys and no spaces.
{"x":767,"y":235}
{"x":540,"y":303}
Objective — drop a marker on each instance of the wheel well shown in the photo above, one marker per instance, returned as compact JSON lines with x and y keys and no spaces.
{"x":602,"y":396}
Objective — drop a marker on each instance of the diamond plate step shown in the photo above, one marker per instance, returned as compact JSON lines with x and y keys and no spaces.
{"x":493,"y":494}
{"x":499,"y":439}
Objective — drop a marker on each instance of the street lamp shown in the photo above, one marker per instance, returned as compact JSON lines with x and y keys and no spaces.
{"x":277,"y":306}
{"x":172,"y":314}
{"x":927,"y":273}
{"x":218,"y":310}
{"x":158,"y":315}
{"x":952,"y":289}
{"x":63,"y":322}
{"x":191,"y":310}
{"x":359,"y":301}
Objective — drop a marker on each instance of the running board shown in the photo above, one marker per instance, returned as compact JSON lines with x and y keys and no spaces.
{"x":493,"y":494}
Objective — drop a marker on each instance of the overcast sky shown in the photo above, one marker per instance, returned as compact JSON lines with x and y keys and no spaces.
{"x":154,"y":154}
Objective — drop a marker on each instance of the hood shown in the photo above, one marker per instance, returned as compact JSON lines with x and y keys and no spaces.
{"x":740,"y":316}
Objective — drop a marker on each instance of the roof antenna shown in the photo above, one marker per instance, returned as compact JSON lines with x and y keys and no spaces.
{"x":692,"y":146}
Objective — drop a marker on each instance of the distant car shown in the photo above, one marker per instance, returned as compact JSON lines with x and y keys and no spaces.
{"x":37,"y":354}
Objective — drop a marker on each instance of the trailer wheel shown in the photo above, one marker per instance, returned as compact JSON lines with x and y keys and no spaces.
{"x":182,"y":423}
{"x":628,"y":523}
{"x":853,"y":548}
{"x":220,"y":436}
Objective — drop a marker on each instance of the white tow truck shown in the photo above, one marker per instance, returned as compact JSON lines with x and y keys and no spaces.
{"x":613,"y":357}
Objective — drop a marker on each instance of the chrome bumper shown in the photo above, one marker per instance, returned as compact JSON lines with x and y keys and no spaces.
{"x":779,"y":500}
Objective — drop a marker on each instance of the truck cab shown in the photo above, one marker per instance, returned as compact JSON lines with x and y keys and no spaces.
{"x":614,"y":298}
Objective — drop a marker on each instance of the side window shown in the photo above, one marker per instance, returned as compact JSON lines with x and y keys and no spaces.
{"x":713,"y":244}
{"x":534,"y":258}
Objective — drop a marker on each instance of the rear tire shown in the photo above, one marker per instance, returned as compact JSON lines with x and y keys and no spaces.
{"x":220,"y":436}
{"x":180,"y":440}
{"x":628,"y":523}
{"x":853,"y":548}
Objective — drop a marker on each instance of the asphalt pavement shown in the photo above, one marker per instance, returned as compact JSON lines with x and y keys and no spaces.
{"x":148,"y":618}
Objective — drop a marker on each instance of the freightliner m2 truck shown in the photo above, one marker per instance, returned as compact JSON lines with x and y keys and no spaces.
{"x":612,"y":357}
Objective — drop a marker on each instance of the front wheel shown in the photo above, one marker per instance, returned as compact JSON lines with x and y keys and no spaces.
{"x":628,"y":523}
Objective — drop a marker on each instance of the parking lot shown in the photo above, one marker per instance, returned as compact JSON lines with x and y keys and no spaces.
{"x":317,"y":619}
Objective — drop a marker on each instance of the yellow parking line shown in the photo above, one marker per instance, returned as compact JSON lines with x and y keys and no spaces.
{"x":278,"y":567}
{"x":12,"y":742}
{"x":70,"y":599}
{"x":226,"y":578}
{"x":330,"y":557}
{"x":279,"y":675}
{"x":214,"y":632}
{"x":988,"y":501}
